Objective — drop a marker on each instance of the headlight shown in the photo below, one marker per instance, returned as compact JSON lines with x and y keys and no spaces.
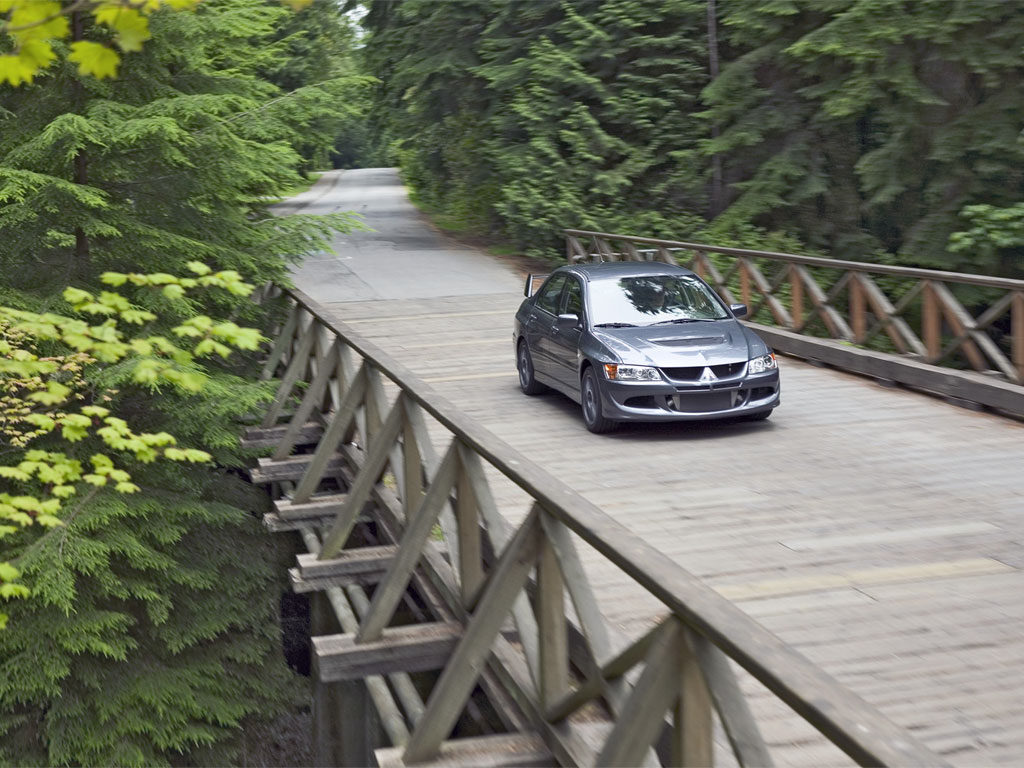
{"x":762,"y":364}
{"x":631,"y":372}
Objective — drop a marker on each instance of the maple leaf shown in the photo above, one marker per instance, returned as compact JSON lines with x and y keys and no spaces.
{"x":94,"y":59}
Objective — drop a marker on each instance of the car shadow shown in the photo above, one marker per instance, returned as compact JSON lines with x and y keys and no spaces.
{"x":708,"y":429}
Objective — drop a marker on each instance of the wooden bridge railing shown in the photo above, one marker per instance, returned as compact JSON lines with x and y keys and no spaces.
{"x":898,"y":323}
{"x":357,"y":451}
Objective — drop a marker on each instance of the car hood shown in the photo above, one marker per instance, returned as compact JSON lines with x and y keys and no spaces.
{"x":686,"y":344}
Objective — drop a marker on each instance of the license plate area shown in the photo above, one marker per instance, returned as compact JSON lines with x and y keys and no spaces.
{"x":705,"y":402}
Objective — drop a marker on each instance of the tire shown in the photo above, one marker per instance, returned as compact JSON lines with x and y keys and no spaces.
{"x":590,"y":400}
{"x":524,"y":364}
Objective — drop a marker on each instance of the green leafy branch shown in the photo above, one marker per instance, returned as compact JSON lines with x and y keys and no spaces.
{"x":33,"y":26}
{"x":36,"y":391}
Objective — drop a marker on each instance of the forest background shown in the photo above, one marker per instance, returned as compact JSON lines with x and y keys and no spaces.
{"x":144,"y":622}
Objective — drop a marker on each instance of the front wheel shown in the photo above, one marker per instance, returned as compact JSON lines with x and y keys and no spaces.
{"x":593,"y":416}
{"x":524,"y":363}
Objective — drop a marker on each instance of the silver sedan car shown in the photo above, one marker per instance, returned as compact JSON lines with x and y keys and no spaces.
{"x":641,"y":341}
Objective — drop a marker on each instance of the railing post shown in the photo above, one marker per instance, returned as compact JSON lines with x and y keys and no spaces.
{"x":858,"y":309}
{"x":467,"y":515}
{"x":931,"y":322}
{"x":796,"y":293}
{"x":554,"y":642}
{"x":692,"y":744}
{"x":744,"y":282}
{"x":1017,"y":334}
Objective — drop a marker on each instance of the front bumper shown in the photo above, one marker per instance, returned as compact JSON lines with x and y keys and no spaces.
{"x":663,"y":401}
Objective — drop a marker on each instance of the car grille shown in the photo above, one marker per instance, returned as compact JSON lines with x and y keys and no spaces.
{"x":692,"y":373}
{"x":704,"y":402}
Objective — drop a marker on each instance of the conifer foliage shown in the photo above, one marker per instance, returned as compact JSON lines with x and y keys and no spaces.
{"x":150,"y":634}
{"x":861,"y":129}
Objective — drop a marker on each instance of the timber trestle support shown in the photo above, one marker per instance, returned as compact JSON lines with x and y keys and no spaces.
{"x":391,"y":491}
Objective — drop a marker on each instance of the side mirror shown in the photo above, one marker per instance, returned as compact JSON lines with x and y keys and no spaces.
{"x":567,"y":321}
{"x":740,"y":310}
{"x":533,"y":282}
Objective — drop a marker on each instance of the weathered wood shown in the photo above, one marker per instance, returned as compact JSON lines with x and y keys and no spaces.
{"x":692,"y":743}
{"x":931,"y":322}
{"x":260,"y":437}
{"x":295,"y":369}
{"x":292,"y":468}
{"x":551,"y":626}
{"x":389,"y":593}
{"x":964,"y":385}
{"x":655,"y":690}
{"x":412,"y":648}
{"x":387,"y":712}
{"x":796,"y":298}
{"x":363,"y":565}
{"x":461,"y":673}
{"x":504,"y":750}
{"x":368,"y":476}
{"x":310,"y":400}
{"x":742,"y":266}
{"x":336,"y":429}
{"x":858,"y":310}
{"x":412,"y":479}
{"x":318,"y":507}
{"x":1017,"y":334}
{"x":471,"y":574}
{"x":737,"y":720}
{"x":284,"y":338}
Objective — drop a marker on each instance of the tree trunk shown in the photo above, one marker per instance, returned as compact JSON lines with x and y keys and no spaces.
{"x":717,"y":201}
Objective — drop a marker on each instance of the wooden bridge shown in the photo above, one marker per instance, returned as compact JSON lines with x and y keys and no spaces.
{"x":492,"y":585}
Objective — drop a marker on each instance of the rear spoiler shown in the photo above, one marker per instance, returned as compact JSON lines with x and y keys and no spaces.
{"x":533,"y":282}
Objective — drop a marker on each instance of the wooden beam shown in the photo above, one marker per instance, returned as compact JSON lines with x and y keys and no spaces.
{"x":362,"y":565}
{"x":336,"y":430}
{"x":418,"y":528}
{"x":551,"y":627}
{"x":1017,"y":334}
{"x":463,"y":669}
{"x":295,"y":369}
{"x":359,"y":492}
{"x":503,"y":750}
{"x":412,"y":648}
{"x":655,"y":691}
{"x":292,"y":468}
{"x":310,"y":399}
{"x":284,"y":338}
{"x":318,"y":507}
{"x":858,"y":309}
{"x":692,"y":742}
{"x":731,"y":704}
{"x":257,"y":438}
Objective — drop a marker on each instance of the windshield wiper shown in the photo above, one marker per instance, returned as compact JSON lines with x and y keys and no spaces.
{"x":615,"y":325}
{"x":683,"y":320}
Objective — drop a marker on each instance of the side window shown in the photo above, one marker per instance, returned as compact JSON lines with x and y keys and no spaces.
{"x":573,"y":298}
{"x":549,"y":294}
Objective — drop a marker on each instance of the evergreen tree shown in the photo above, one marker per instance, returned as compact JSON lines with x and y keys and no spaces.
{"x":151,"y":636}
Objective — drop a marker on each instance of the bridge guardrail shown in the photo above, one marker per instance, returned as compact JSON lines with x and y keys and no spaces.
{"x":373,"y":432}
{"x":901,"y":324}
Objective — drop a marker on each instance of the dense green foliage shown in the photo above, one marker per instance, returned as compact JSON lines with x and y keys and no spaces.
{"x":150,"y":636}
{"x":864,"y":129}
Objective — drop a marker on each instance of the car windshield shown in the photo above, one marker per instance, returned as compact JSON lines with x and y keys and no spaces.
{"x":651,"y":299}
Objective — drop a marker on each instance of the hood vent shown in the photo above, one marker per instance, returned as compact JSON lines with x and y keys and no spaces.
{"x":691,"y":341}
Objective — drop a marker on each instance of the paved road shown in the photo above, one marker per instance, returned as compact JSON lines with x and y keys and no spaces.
{"x":402,"y":258}
{"x":879,"y":531}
